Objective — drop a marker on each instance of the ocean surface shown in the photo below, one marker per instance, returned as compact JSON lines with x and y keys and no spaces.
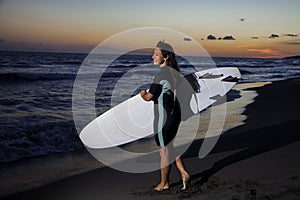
{"x":36,"y":95}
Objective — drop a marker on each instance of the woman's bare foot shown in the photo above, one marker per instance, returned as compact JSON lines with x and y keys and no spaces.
{"x":186,"y":181}
{"x":161,"y":187}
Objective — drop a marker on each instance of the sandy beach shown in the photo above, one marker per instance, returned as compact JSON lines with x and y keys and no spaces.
{"x":256,"y":160}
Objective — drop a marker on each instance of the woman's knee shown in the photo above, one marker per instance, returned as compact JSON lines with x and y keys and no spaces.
{"x":164,"y":152}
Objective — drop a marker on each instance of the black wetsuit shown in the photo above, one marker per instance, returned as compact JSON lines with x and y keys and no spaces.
{"x":167,"y":115}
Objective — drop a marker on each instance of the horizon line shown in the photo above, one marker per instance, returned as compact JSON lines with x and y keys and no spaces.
{"x":69,"y":52}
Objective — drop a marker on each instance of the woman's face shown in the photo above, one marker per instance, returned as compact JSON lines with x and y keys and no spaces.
{"x":157,"y":57}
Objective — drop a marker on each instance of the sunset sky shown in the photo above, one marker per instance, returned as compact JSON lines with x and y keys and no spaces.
{"x":260,"y":28}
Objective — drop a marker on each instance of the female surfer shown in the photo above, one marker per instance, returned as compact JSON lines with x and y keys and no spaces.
{"x":167,"y":114}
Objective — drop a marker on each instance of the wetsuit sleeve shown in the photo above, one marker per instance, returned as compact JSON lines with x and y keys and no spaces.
{"x":155,"y":89}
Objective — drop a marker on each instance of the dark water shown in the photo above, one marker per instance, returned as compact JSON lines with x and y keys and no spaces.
{"x":36,"y":96}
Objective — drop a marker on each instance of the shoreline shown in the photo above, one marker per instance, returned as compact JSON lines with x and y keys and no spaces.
{"x":64,"y":165}
{"x":236,"y":146}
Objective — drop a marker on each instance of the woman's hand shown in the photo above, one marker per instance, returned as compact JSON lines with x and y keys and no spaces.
{"x":143,"y":92}
{"x":147,"y":96}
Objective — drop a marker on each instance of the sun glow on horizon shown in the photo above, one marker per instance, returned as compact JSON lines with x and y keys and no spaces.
{"x":251,"y":29}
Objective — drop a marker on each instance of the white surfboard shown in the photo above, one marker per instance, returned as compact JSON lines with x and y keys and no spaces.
{"x":133,"y":119}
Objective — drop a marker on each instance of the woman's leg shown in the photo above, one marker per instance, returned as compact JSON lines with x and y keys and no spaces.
{"x":184,"y":174}
{"x":164,"y":169}
{"x":179,"y":163}
{"x":181,"y":168}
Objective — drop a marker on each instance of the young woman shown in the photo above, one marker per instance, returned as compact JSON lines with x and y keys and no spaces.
{"x":167,"y":115}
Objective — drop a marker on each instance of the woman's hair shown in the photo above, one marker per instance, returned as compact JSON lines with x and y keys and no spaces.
{"x":167,"y":50}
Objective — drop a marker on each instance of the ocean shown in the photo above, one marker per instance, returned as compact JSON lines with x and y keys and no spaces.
{"x":36,"y":96}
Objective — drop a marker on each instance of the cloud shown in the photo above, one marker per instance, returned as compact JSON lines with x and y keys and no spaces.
{"x":211,"y":37}
{"x":187,"y":39}
{"x":274,"y":36}
{"x":290,"y":35}
{"x":291,"y":43}
{"x":266,"y":52}
{"x":2,"y":40}
{"x":228,"y":37}
{"x":262,"y":50}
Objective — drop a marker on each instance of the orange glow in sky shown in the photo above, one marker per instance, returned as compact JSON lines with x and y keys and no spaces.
{"x":248,"y":29}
